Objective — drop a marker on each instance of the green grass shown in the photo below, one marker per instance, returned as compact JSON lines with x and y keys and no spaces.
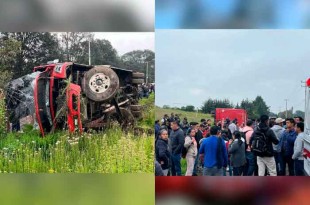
{"x":191,"y":116}
{"x":110,"y":151}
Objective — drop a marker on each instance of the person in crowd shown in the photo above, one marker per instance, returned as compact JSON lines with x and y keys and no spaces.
{"x":272,"y":122}
{"x":278,"y":131}
{"x":287,"y":141}
{"x":214,"y":154}
{"x":236,"y":150}
{"x":298,"y":119}
{"x":209,"y":122}
{"x":298,"y":150}
{"x":172,"y":117}
{"x":184,"y":125}
{"x":224,"y":135}
{"x":266,"y":157}
{"x":177,"y":118}
{"x":162,"y":151}
{"x":232,"y":126}
{"x":164,"y":119}
{"x":203,"y":121}
{"x":203,"y":129}
{"x":177,"y":143}
{"x":250,"y":157}
{"x":157,"y":129}
{"x":198,"y":137}
{"x":191,"y":146}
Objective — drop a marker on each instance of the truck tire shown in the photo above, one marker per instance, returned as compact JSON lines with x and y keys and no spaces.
{"x":127,"y":120}
{"x":135,"y":107}
{"x":137,"y":81}
{"x":138,"y":75}
{"x":100,"y":83}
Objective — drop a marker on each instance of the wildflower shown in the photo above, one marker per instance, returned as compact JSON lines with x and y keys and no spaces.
{"x":51,"y":171}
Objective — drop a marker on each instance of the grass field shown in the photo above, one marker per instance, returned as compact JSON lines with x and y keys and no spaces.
{"x":191,"y":116}
{"x":110,"y":151}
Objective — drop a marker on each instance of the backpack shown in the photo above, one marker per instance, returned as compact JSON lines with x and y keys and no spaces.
{"x":259,"y":143}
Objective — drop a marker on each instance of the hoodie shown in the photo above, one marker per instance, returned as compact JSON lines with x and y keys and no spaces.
{"x":278,"y":130}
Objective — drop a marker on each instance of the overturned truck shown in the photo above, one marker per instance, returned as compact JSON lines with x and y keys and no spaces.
{"x":74,"y":96}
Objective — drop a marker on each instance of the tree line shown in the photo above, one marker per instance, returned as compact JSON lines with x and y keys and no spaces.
{"x":255,"y":108}
{"x":21,"y":51}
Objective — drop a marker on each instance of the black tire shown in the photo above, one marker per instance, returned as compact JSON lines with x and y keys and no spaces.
{"x":138,"y":75}
{"x":127,"y":120}
{"x":135,"y":107}
{"x":137,"y":81}
{"x":108,"y":91}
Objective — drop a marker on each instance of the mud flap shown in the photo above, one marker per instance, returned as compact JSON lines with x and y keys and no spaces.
{"x":74,"y":110}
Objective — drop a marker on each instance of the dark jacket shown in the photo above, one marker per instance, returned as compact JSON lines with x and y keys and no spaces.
{"x":270,"y":136}
{"x":162,"y":153}
{"x":198,"y":137}
{"x":237,"y":157}
{"x":177,"y":141}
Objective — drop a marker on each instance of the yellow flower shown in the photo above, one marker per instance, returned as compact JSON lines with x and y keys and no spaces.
{"x":51,"y":171}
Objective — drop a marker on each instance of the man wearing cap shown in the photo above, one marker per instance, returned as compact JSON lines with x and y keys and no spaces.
{"x":278,"y":130}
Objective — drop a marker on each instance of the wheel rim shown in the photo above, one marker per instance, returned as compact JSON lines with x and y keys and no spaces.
{"x":99,"y":83}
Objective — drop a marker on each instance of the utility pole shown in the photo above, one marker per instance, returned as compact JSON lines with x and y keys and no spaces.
{"x":286,"y":108}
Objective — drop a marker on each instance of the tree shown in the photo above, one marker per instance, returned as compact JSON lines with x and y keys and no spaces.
{"x":102,"y":53}
{"x":260,"y":107}
{"x":9,"y":49}
{"x":35,"y":48}
{"x":188,"y":108}
{"x":299,"y":113}
{"x":71,"y":44}
{"x":140,"y":60}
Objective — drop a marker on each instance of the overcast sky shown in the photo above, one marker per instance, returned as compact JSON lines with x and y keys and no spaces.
{"x":125,"y":42}
{"x":193,"y":65}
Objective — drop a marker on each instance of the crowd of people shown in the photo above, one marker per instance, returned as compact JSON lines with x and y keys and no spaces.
{"x":144,"y":90}
{"x":263,"y":147}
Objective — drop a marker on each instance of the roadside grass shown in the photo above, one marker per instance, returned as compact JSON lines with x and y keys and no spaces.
{"x":191,"y":116}
{"x":109,"y":151}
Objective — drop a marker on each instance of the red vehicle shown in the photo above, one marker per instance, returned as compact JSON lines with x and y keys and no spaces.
{"x":221,"y":114}
{"x":74,"y":96}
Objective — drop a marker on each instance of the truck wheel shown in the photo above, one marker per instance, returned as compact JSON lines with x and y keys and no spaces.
{"x":127,"y":119}
{"x":137,"y":81}
{"x":138,"y":75}
{"x":135,"y":107}
{"x":100,"y":83}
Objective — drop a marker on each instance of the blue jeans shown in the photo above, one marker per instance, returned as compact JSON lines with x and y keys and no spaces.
{"x":289,"y":161}
{"x":176,"y":164}
{"x":277,"y":158}
{"x":299,"y":167}
{"x":213,"y":171}
{"x":251,"y":163}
